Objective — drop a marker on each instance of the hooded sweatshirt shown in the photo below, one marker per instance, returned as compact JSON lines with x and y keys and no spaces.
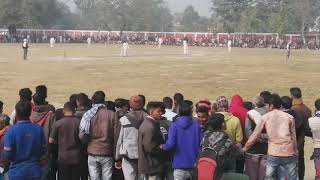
{"x":43,"y":111}
{"x":234,"y":129}
{"x":185,"y":137}
{"x":127,"y":143}
{"x":237,"y":109}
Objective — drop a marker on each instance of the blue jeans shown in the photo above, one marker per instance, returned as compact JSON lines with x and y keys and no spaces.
{"x":281,"y":168}
{"x":100,"y":168}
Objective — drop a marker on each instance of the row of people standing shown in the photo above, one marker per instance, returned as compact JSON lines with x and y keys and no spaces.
{"x":144,"y":143}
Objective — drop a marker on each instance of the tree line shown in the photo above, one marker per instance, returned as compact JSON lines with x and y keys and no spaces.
{"x":279,"y":16}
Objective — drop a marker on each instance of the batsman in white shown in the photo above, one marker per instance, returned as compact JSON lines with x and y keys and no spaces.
{"x":52,"y":42}
{"x":288,"y":51}
{"x":160,"y":41}
{"x":229,"y":45}
{"x":124,"y":49}
{"x":185,"y":47}
{"x":89,"y":41}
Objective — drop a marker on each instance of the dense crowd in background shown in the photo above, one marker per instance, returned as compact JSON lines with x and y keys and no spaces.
{"x":245,"y":41}
{"x":174,"y":138}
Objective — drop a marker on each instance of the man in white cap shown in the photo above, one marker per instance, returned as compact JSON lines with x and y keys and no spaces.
{"x":25,"y":47}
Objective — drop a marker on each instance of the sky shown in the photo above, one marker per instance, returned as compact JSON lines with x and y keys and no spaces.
{"x":202,"y":6}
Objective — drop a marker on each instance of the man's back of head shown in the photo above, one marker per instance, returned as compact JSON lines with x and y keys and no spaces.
{"x":25,"y":94}
{"x":275,"y":102}
{"x":23,"y":110}
{"x":296,"y":93}
{"x":168,"y":102}
{"x":98,"y":97}
{"x":286,"y":102}
{"x":38,"y":99}
{"x":82,"y":100}
{"x":42,"y":90}
{"x":185,"y":109}
{"x":178,"y":98}
{"x":266,"y":95}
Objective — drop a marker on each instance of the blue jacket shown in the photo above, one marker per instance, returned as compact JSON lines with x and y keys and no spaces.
{"x":25,"y":145}
{"x":185,"y":137}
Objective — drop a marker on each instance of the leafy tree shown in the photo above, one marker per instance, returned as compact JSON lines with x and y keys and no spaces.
{"x":30,"y":13}
{"x":192,"y":22}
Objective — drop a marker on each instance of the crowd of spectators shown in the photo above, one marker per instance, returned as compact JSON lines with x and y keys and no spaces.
{"x":243,"y":41}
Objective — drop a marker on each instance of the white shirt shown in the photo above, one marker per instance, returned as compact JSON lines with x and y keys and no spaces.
{"x":229,"y":43}
{"x":169,"y":115}
{"x":288,"y":46}
{"x":314,"y":123}
{"x":185,"y":44}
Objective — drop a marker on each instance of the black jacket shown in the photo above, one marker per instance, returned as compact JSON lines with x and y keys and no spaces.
{"x":151,"y":157}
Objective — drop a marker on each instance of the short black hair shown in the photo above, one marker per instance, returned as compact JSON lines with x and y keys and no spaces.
{"x":317,"y":104}
{"x":189,"y":102}
{"x":248,"y":105}
{"x":178,"y":98}
{"x":202,"y":109}
{"x":42,"y":90}
{"x":296,"y":92}
{"x":266,"y":95}
{"x":1,"y":104}
{"x":5,"y":119}
{"x":68,"y":106}
{"x":25,"y":94}
{"x":155,"y":105}
{"x":121,"y":103}
{"x":73,"y":100}
{"x":23,"y":110}
{"x":143,"y":99}
{"x":275,"y":101}
{"x":82,"y":99}
{"x":98,"y":97}
{"x":215,"y":122}
{"x":286,"y":102}
{"x":39,"y":99}
{"x":185,"y":109}
{"x":168,"y":102}
{"x":110,"y":106}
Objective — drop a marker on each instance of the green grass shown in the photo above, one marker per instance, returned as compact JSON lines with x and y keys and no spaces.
{"x":207,"y":72}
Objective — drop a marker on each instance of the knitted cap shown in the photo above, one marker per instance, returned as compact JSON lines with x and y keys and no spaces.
{"x":136,"y":102}
{"x":222,"y":104}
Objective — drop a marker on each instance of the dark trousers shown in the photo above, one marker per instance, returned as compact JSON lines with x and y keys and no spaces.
{"x":301,"y":165}
{"x":25,"y":53}
{"x":69,"y":172}
{"x":84,"y":168}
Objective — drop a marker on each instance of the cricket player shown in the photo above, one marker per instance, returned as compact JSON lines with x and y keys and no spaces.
{"x":160,"y":41}
{"x":288,"y":50}
{"x":185,"y":47}
{"x":229,"y":44}
{"x":124,"y":49}
{"x":25,"y":47}
{"x":89,"y":41}
{"x":52,"y":42}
